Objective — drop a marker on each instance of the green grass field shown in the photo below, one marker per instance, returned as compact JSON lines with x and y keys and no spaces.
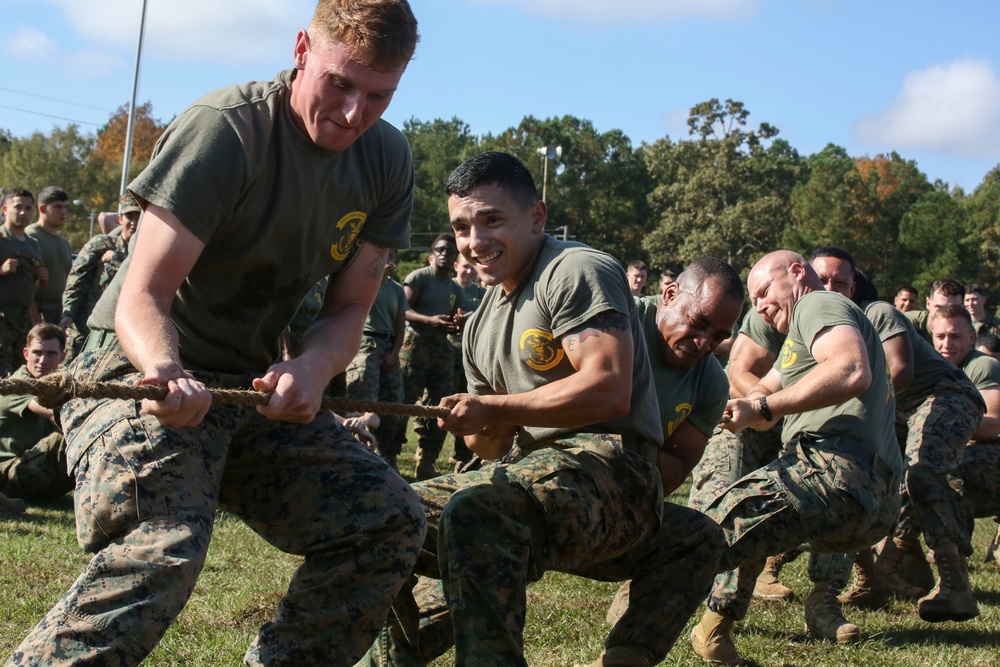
{"x":244,"y":578}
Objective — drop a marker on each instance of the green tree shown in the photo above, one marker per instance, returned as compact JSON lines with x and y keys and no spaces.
{"x":58,"y":158}
{"x":438,"y":147}
{"x":859,"y":205}
{"x":106,"y":159}
{"x":725,"y":194}
{"x":932,"y":236}
{"x":982,"y":209}
{"x":596,"y":191}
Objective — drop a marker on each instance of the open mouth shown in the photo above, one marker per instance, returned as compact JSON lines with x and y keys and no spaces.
{"x":487,"y":259}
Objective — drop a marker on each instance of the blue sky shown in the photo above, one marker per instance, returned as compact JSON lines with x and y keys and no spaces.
{"x":918,"y":77}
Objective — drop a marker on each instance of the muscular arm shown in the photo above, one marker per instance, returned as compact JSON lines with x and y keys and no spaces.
{"x":989,"y":428}
{"x":680,"y":454}
{"x":899,"y":356}
{"x":599,"y":389}
{"x":748,"y":363}
{"x":841,"y":373}
{"x":164,"y":254}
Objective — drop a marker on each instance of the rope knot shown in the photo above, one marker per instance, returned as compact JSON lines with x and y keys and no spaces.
{"x":55,"y":389}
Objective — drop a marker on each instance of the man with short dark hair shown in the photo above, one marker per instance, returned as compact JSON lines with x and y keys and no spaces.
{"x":252,"y":195}
{"x":32,"y":451}
{"x":581,"y":490}
{"x":434,"y":313}
{"x":944,"y":291}
{"x":906,"y":298}
{"x":667,"y":276}
{"x":975,"y":303}
{"x":21,"y":270}
{"x":56,"y":253}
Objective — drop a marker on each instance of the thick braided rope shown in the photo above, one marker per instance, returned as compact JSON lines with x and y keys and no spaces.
{"x":56,"y":388}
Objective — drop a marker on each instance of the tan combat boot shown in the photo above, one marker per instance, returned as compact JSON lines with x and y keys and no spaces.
{"x":768,"y":586}
{"x":619,"y":605}
{"x":887,"y":567}
{"x":951,"y":599}
{"x":824,"y":619}
{"x":866,"y":591}
{"x":425,"y":466}
{"x":712,"y":639}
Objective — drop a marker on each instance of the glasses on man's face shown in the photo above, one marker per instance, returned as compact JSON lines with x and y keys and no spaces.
{"x":445,"y":250}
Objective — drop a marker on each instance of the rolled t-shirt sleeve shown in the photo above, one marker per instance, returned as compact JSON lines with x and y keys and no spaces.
{"x":582,"y":290}
{"x":197,"y":171}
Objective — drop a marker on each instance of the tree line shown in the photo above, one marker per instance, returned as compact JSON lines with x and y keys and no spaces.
{"x":727,"y":189}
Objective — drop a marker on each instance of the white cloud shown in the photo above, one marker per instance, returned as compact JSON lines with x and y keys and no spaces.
{"x":619,"y":12}
{"x":952,"y":108}
{"x":28,"y":45}
{"x":211,"y":31}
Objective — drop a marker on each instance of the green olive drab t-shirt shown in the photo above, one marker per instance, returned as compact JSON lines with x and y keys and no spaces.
{"x":929,"y":367}
{"x":20,"y":428}
{"x":762,"y":333}
{"x":868,"y":418}
{"x":57,"y":256}
{"x":982,"y":369}
{"x":17,"y":290}
{"x":389,"y":303}
{"x":513,"y":342}
{"x":435,"y":295}
{"x":276,"y":213}
{"x":698,"y":394}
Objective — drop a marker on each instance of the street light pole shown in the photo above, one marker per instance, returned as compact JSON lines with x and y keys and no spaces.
{"x":548,"y":153}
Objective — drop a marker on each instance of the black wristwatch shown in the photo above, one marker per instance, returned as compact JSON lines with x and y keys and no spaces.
{"x":765,"y":411}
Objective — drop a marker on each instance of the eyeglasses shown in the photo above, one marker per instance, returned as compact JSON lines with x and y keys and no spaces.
{"x":445,"y":250}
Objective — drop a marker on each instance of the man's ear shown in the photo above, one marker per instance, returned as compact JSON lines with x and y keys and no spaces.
{"x":539,"y":212}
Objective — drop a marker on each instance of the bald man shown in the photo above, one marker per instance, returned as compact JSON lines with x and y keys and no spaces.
{"x":835,"y":484}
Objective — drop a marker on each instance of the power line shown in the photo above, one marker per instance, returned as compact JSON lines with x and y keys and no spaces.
{"x":55,"y":99}
{"x":48,"y":115}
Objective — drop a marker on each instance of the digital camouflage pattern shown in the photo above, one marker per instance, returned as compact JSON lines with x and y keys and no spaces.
{"x":145,"y":501}
{"x":369,"y":380}
{"x":814,"y":494}
{"x":937,"y":434}
{"x":580,"y":504}
{"x":979,"y":471}
{"x":727,"y":458}
{"x":39,"y":474}
{"x":426,"y":362}
{"x":88,"y":278}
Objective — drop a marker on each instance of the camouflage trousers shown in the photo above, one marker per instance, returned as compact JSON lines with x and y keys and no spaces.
{"x":39,"y":474}
{"x":937,"y":434}
{"x":581,"y":505}
{"x":427,"y":364}
{"x":146,"y":497}
{"x":814,"y":494}
{"x":14,"y":327}
{"x":369,"y":380}
{"x":979,"y":471}
{"x":727,"y":458}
